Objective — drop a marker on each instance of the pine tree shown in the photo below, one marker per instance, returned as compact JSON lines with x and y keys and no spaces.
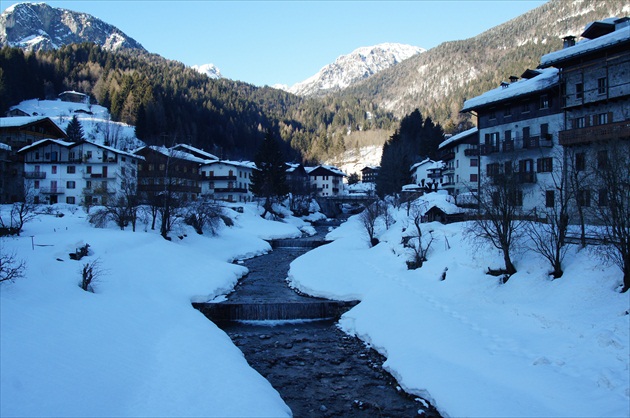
{"x":269,"y":180}
{"x":74,"y":130}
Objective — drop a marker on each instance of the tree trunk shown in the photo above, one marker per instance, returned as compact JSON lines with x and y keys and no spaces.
{"x":509,"y":267}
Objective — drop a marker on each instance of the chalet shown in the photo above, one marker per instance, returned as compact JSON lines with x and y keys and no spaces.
{"x":195,"y":152}
{"x":74,"y":97}
{"x":460,"y":154}
{"x":58,"y":171}
{"x":15,"y":133}
{"x":326,"y":180}
{"x":166,"y":170}
{"x":369,"y":174}
{"x":427,"y":174}
{"x":227,"y":180}
{"x":595,"y":87}
{"x":518,"y":124}
{"x":298,"y":179}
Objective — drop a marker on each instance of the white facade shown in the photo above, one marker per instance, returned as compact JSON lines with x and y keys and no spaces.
{"x":227,"y":180}
{"x":460,"y":154}
{"x":68,"y":172}
{"x":427,"y":173}
{"x":326,"y":180}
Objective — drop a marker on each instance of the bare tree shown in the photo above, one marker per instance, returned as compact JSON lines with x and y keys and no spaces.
{"x":90,"y":273}
{"x":22,"y":211}
{"x":417,"y":242}
{"x":204,"y":214}
{"x":122,"y":208}
{"x":548,"y":238}
{"x":578,"y":179}
{"x":11,"y":268}
{"x":613,"y":206}
{"x":500,"y":217}
{"x":368,"y":218}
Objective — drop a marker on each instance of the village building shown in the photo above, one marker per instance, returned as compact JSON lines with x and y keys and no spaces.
{"x":369,"y":174}
{"x":227,"y":180}
{"x":327,"y":180}
{"x":518,"y":125}
{"x":166,"y":170}
{"x":196,"y":152}
{"x":427,"y":175}
{"x":298,"y":179}
{"x":74,"y":97}
{"x":15,"y":133}
{"x":460,"y":154}
{"x":595,"y":86}
{"x":57,"y":171}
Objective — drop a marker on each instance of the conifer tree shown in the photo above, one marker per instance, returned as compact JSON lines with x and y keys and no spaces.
{"x":74,"y":130}
{"x":269,"y":180}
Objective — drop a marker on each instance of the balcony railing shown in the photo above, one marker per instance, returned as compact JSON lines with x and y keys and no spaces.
{"x":175,"y":188}
{"x":435,"y":175}
{"x":96,"y":176}
{"x":471,"y":152}
{"x":508,"y":145}
{"x":52,"y":190}
{"x":214,"y":178}
{"x":489,"y":149}
{"x":35,"y":174}
{"x":544,"y":141}
{"x":447,"y":156}
{"x":617,"y":130}
{"x":230,"y":190}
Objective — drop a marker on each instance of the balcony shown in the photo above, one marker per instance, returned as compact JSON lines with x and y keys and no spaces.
{"x":161,"y":188}
{"x":508,"y":145}
{"x":447,"y":156}
{"x":230,"y":190}
{"x":544,"y":141}
{"x":52,"y":190}
{"x":527,"y":177}
{"x":215,"y":178}
{"x":610,"y":131}
{"x":35,"y":174}
{"x":96,"y":176}
{"x":489,"y":149}
{"x":471,"y":152}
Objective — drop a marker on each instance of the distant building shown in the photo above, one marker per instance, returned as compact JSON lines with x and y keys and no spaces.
{"x":326,"y":180}
{"x":427,"y":174}
{"x":227,"y":180}
{"x":196,"y":152}
{"x":74,"y":97}
{"x":369,"y":174}
{"x":298,"y":179}
{"x":460,"y":154}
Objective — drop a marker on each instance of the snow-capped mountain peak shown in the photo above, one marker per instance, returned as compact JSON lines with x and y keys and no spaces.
{"x":38,"y":26}
{"x":210,"y":70}
{"x":358,"y":65}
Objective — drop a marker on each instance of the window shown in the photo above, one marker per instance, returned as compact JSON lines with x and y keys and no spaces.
{"x":525,"y":107}
{"x":492,"y":169}
{"x":88,"y":184}
{"x":602,"y":198}
{"x":549,"y":198}
{"x":36,"y":184}
{"x":579,"y":122}
{"x":508,"y":111}
{"x":151,"y":167}
{"x":162,"y":167}
{"x":71,"y":169}
{"x":544,"y":101}
{"x":584,"y":198}
{"x":88,"y":155}
{"x":602,"y":159}
{"x":71,"y":184}
{"x":70,"y":200}
{"x":54,"y":169}
{"x":600,"y":119}
{"x":122,"y":171}
{"x":580,"y":161}
{"x":37,"y":155}
{"x":473,"y":178}
{"x":602,"y":85}
{"x":579,"y":91}
{"x":474,"y":162}
{"x":88,"y":169}
{"x":544,"y":165}
{"x":492,"y":113}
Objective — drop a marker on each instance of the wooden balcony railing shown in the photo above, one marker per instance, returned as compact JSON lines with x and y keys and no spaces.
{"x":35,"y":174}
{"x":610,"y":131}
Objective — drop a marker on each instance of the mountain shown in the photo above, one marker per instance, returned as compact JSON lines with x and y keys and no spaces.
{"x":210,"y":70}
{"x":37,"y":26}
{"x":438,"y":81}
{"x":360,"y":64}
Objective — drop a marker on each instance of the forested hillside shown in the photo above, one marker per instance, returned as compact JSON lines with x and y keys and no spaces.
{"x":439,"y":80}
{"x":169,"y":102}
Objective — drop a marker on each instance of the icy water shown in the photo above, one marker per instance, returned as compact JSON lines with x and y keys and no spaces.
{"x":318,"y":370}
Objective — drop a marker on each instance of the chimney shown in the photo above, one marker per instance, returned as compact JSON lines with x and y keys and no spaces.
{"x":513,"y":79}
{"x":569,"y":41}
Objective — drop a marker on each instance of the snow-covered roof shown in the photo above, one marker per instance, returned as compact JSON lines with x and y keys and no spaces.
{"x":455,"y":138}
{"x":108,"y":148}
{"x":423,"y":162}
{"x":42,"y":141}
{"x":17,"y":121}
{"x":440,"y":200}
{"x":619,"y":36}
{"x":546,"y":79}
{"x":245,"y":164}
{"x":5,"y":146}
{"x":195,"y":151}
{"x":169,"y":152}
{"x":334,"y":170}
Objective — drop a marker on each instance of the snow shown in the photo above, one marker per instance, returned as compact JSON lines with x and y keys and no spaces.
{"x":96,"y":126}
{"x":136,"y":347}
{"x":620,"y":35}
{"x":474,"y":347}
{"x":547,"y":78}
{"x":457,"y":137}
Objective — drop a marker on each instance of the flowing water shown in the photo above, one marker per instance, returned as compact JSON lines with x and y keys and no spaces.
{"x":293,"y":341}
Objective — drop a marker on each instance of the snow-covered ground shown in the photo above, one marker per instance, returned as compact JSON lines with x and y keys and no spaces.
{"x":95,"y":121}
{"x":530,"y":347}
{"x":136,"y":347}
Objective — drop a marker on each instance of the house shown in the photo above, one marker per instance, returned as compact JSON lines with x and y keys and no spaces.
{"x":460,"y":154}
{"x":327,"y":180}
{"x":15,"y":133}
{"x":369,"y":174}
{"x":196,"y":152}
{"x":227,"y":180}
{"x":58,"y":171}
{"x":167,"y":170}
{"x":427,"y":174}
{"x":518,"y":125}
{"x":298,"y":179}
{"x":14,"y":111}
{"x":595,"y":94}
{"x":74,"y":97}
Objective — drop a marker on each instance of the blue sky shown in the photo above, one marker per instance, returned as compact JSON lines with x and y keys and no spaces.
{"x":284,"y":42}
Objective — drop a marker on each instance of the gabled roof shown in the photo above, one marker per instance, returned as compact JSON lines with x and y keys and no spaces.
{"x":620,"y":36}
{"x":547,"y":78}
{"x":244,"y":164}
{"x":459,"y":137}
{"x":171,"y":153}
{"x":195,"y":151}
{"x":108,"y":148}
{"x":329,"y":169}
{"x":23,"y":121}
{"x":43,"y":142}
{"x":423,"y":162}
